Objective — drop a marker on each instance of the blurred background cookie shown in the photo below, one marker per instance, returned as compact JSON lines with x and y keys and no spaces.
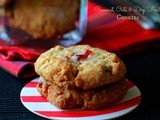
{"x":43,"y":18}
{"x":5,"y":2}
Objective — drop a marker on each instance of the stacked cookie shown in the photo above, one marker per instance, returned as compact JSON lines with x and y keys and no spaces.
{"x":81,"y":77}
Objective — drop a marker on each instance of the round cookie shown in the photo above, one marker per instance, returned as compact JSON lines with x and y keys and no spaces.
{"x":5,"y":2}
{"x":97,"y":98}
{"x":43,"y":18}
{"x":80,"y":66}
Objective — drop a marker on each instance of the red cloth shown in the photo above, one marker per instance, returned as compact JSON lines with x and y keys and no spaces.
{"x":18,"y":61}
{"x":20,"y":69}
{"x":104,"y":31}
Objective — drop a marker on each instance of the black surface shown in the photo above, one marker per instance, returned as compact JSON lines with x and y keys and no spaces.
{"x":143,"y":70}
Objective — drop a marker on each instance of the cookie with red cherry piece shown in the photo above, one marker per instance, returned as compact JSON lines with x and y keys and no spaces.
{"x":80,"y":66}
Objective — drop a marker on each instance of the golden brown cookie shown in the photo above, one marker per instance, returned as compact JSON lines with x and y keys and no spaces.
{"x":5,"y":2}
{"x":82,"y":66}
{"x":43,"y":18}
{"x":98,"y":98}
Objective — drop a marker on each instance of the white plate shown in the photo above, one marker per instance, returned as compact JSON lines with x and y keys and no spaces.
{"x":37,"y":104}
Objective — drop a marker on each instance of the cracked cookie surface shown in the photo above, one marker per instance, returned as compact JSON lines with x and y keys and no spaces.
{"x":80,"y":66}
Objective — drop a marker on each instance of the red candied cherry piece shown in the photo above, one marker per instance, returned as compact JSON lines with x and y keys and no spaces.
{"x":85,"y":55}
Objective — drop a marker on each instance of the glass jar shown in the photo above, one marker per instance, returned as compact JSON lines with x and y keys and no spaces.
{"x":41,"y":23}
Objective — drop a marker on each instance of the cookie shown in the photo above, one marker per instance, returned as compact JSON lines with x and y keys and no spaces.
{"x":5,"y":2}
{"x":69,"y":98}
{"x":80,"y":66}
{"x":43,"y":18}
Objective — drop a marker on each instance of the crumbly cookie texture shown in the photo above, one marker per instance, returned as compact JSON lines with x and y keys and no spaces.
{"x":98,"y":98}
{"x":80,"y":66}
{"x":43,"y":18}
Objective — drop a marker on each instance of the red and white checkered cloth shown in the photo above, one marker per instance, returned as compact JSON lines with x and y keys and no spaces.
{"x":104,"y":31}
